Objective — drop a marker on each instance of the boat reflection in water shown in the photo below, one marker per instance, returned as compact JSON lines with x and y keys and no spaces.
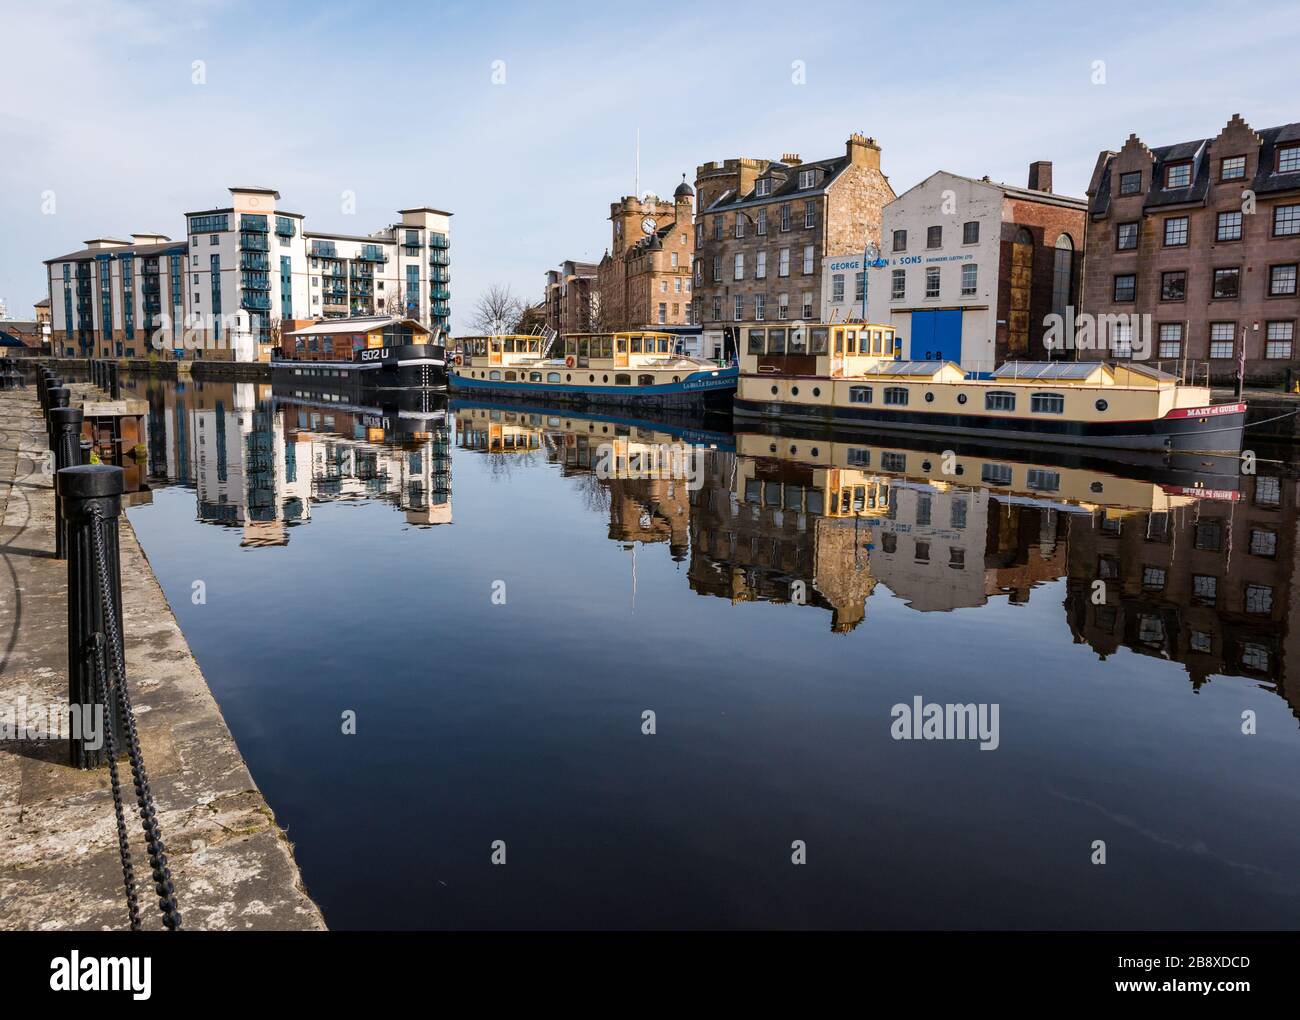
{"x":260,"y":458}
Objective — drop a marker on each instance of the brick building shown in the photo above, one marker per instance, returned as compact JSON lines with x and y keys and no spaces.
{"x":1203,"y":237}
{"x":973,"y":268}
{"x":764,"y":227}
{"x":573,"y":301}
{"x":645,"y":276}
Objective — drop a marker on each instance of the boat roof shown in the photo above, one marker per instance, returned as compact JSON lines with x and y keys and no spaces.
{"x":926,"y":368}
{"x":1048,"y":369}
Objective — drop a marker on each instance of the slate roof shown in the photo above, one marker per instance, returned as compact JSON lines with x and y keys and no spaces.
{"x":141,"y":250}
{"x":1266,"y":179}
{"x":783,"y":189}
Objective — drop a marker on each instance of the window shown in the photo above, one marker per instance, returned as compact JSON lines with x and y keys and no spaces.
{"x":1205,"y":589}
{"x":783,"y":306}
{"x":932,"y":282}
{"x":1199,"y":641}
{"x":663,"y":313}
{"x":1268,"y":490}
{"x":763,"y":187}
{"x":740,"y":224}
{"x":1047,"y":403}
{"x":859,"y":394}
{"x":776,"y":341}
{"x":761,"y":226}
{"x":968,"y":280}
{"x":859,"y":286}
{"x":1227,"y":283}
{"x":552,"y":376}
{"x":837,"y":288}
{"x":1229,"y":228}
{"x":1278,"y":340}
{"x":1171,"y":340}
{"x":760,"y":265}
{"x":807,"y":304}
{"x":1178,"y":175}
{"x":900,"y":240}
{"x":756,"y":340}
{"x":1281,"y":280}
{"x":1175,"y":231}
{"x":1286,"y":221}
{"x":760,"y":307}
{"x":817,"y":340}
{"x":898,"y":284}
{"x":739,"y":273}
{"x":645,"y":380}
{"x":1126,"y":239}
{"x":999,"y":400}
{"x":717,"y":268}
{"x":1223,"y":343}
{"x":717,"y":228}
{"x":1208,"y":535}
{"x":717,"y":306}
{"x":934,"y":237}
{"x":1125,"y":288}
{"x":996,"y":474}
{"x":1153,"y":578}
{"x":785,"y":216}
{"x":809,"y":215}
{"x":1263,"y":543}
{"x":738,"y":308}
{"x":1173,"y":286}
{"x":806,"y":179}
{"x":1043,"y":480}
{"x":970,"y":232}
{"x":783,"y":262}
{"x":1130,"y":183}
{"x":896,"y":396}
{"x":1232,"y":168}
{"x":807,"y":259}
{"x":1288,"y":159}
{"x":1259,"y":598}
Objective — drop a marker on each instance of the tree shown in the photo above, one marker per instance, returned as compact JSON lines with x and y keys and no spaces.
{"x":497,"y":310}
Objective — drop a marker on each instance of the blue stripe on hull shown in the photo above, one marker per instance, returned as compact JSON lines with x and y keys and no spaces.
{"x":693,"y":390}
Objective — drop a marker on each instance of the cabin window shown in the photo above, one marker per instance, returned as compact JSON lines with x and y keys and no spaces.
{"x":798,"y":342}
{"x":890,"y":461}
{"x":494,"y":374}
{"x":776,"y":341}
{"x":1047,"y":403}
{"x":757,"y":338}
{"x":636,"y":345}
{"x":622,"y":379}
{"x":860,"y":394}
{"x":552,"y":376}
{"x":534,"y":376}
{"x":620,"y":345}
{"x":645,"y":380}
{"x":817,"y":337}
{"x":510,"y":377}
{"x":850,"y":341}
{"x":896,"y":396}
{"x":996,"y":474}
{"x":1043,"y":481}
{"x":999,"y":400}
{"x":663,"y":345}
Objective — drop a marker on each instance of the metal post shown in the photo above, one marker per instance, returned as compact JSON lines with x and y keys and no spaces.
{"x":83,"y":490}
{"x":86,"y":447}
{"x":65,"y":425}
{"x":115,"y":385}
{"x":51,"y":384}
{"x":56,"y":398}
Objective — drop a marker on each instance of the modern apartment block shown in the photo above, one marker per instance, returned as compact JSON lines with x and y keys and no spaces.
{"x":645,"y":276}
{"x":764,"y":227}
{"x":246,"y":271}
{"x":973,"y":268}
{"x":1203,"y":237}
{"x":573,"y":303}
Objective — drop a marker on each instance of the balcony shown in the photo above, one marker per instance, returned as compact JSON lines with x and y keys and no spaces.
{"x":254,"y":260}
{"x":253,"y":242}
{"x":253,"y":222}
{"x":324,"y":249}
{"x":285,"y":227}
{"x":439,"y":258}
{"x":372,"y":253}
{"x":439,"y":241}
{"x":255,"y":281}
{"x":254,"y":302}
{"x":439,"y":276}
{"x":363,"y":271}
{"x":441,"y":309}
{"x":439,"y":293}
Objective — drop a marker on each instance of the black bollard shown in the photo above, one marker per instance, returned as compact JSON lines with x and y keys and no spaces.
{"x":42,"y":380}
{"x":55,"y":399}
{"x":66,"y":427}
{"x":83,"y":490}
{"x":115,"y":385}
{"x":86,"y":447}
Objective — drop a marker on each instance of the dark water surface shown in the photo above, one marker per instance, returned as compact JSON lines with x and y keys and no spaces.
{"x":770,"y":617}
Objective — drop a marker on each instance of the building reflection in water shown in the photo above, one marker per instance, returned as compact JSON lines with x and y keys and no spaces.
{"x":259,"y":460}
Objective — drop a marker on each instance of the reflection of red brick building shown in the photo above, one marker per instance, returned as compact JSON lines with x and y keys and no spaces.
{"x":1208,"y":586}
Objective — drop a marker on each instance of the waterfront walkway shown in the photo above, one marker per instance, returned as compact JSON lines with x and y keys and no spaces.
{"x":59,"y":865}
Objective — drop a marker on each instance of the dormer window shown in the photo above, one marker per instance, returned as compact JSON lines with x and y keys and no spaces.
{"x":807,"y":179}
{"x":1130,"y":183}
{"x":764,"y":187}
{"x":1288,"y":159}
{"x":1178,"y":175}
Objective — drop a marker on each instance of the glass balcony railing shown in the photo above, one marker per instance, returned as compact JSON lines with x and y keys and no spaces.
{"x":439,"y":258}
{"x":439,"y":293}
{"x":254,"y":260}
{"x":324,"y":249}
{"x":440,"y":276}
{"x":440,"y":308}
{"x":255,"y":222}
{"x":439,"y":241}
{"x":372,"y":253}
{"x":254,"y":302}
{"x":253,"y":242}
{"x":256,"y":281}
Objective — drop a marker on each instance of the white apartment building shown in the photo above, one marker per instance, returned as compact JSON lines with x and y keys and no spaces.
{"x":245,"y":271}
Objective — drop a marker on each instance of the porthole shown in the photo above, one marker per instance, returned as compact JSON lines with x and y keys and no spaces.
{"x":567,"y":377}
{"x":929,"y":398}
{"x":605,"y":378}
{"x":961,"y":398}
{"x":814,"y":451}
{"x":794,"y":391}
{"x":775,"y":391}
{"x":592,"y":378}
{"x":817,"y":391}
{"x":1102,"y":405}
{"x":1095,"y":486}
{"x":925,"y":466}
{"x":772,"y":448}
{"x":794,"y":450}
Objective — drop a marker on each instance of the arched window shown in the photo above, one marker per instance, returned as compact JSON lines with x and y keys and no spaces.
{"x":999,"y":400}
{"x":1062,"y":274}
{"x":622,"y":379}
{"x":645,"y":380}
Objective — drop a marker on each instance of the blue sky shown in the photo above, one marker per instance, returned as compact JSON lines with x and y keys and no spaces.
{"x":396,"y":102}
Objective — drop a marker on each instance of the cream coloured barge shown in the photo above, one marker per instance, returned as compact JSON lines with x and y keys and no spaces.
{"x":846,"y":374}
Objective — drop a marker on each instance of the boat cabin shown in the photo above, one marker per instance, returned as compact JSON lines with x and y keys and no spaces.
{"x":824,"y":349}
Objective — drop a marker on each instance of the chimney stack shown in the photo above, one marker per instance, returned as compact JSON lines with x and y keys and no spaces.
{"x":862,"y":151}
{"x":1040,"y":175}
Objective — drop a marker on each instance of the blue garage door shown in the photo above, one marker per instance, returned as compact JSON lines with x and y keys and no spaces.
{"x":936,"y":336}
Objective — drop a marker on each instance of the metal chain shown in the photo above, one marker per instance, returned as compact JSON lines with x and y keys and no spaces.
{"x":103,"y":696}
{"x":162,"y":875}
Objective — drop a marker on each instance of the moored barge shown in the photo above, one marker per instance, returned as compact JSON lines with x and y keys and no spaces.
{"x":637,"y":369}
{"x":378,"y":352}
{"x":848,"y":375}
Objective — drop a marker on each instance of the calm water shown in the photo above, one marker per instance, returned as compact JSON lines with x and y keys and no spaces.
{"x":770,"y":615}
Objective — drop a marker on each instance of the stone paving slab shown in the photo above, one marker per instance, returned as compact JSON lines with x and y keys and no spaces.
{"x":232,"y":865}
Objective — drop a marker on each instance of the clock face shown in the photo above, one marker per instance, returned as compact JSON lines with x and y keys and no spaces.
{"x":648,"y":224}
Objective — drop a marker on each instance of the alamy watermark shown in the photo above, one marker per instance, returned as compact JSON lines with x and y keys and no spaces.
{"x":933,"y":721}
{"x":661,"y":461}
{"x":1125,"y":335}
{"x":20,"y":720}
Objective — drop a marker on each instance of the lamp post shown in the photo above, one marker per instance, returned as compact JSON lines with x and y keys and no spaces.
{"x":870,"y":260}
